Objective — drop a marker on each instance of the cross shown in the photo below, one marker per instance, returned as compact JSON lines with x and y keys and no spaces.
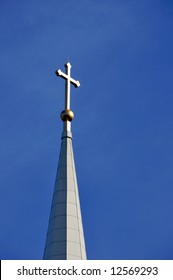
{"x":69,"y":80}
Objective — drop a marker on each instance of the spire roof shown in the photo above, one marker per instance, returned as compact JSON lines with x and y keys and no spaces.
{"x":65,"y":237}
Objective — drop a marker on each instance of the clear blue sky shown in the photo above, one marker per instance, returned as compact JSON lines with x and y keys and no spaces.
{"x":122,"y":53}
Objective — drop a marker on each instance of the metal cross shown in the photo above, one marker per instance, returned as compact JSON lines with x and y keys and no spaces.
{"x":69,"y":80}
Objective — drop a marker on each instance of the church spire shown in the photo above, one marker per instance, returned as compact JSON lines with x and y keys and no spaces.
{"x":65,"y":238}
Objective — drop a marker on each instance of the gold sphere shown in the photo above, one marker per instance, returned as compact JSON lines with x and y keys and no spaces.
{"x":67,"y":115}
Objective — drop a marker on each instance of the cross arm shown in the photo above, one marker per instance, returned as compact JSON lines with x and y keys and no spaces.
{"x":66,"y":77}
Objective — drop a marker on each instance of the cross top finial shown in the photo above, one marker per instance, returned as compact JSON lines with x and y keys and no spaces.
{"x":67,"y":115}
{"x":66,"y":76}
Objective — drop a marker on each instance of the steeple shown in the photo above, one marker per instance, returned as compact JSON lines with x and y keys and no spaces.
{"x":65,"y":238}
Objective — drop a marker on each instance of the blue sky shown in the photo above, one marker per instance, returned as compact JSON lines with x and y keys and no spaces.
{"x":121,"y":52}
